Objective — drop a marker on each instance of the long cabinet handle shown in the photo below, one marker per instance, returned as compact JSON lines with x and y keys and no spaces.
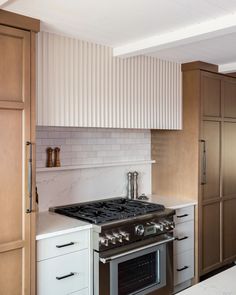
{"x":181,"y":239}
{"x":66,"y":276}
{"x":65,"y":245}
{"x":183,"y":268}
{"x":29,"y":210}
{"x":203,"y":177}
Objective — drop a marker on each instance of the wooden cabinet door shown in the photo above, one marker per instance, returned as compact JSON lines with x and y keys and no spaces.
{"x":229,"y":229}
{"x":15,"y":223}
{"x":229,"y":159}
{"x":210,"y":235}
{"x":229,"y":190}
{"x":211,"y":94}
{"x":229,"y":95}
{"x":210,"y":160}
{"x":210,"y":165}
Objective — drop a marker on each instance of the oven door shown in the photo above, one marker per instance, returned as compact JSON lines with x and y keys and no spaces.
{"x":138,"y":271}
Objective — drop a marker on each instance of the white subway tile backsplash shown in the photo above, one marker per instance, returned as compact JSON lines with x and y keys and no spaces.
{"x":93,"y":145}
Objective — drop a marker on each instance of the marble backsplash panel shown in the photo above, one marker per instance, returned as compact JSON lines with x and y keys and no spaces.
{"x":67,"y":187}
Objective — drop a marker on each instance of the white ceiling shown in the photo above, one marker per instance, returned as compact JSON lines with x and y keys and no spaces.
{"x":116,"y":22}
{"x":218,"y":50}
{"x":120,"y":22}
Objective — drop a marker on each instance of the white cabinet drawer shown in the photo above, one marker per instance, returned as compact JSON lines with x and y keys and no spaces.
{"x":184,"y":214}
{"x":64,"y":274}
{"x":184,"y":237}
{"x":81,"y":292}
{"x":63,"y":244}
{"x":183,"y":267}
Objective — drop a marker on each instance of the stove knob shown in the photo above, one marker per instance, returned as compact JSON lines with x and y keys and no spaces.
{"x":171,"y":224}
{"x":125,"y":235}
{"x":159,"y":226}
{"x":111,"y":238}
{"x":119,"y":237}
{"x":139,"y":230}
{"x":166,"y":225}
{"x":104,"y":241}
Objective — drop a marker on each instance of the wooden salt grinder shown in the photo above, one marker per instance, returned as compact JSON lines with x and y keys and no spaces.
{"x":49,"y":157}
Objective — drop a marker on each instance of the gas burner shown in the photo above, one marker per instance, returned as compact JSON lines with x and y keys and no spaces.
{"x":99,"y":212}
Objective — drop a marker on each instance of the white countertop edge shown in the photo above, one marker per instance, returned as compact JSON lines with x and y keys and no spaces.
{"x":192,"y":203}
{"x":63,"y":232}
{"x":172,"y":202}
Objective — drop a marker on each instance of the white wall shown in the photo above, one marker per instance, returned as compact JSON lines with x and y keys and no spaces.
{"x":91,"y":146}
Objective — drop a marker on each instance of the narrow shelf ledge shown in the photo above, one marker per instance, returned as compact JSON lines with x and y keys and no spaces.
{"x":88,"y":166}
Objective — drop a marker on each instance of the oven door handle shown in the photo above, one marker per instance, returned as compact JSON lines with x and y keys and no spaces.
{"x":108,"y":259}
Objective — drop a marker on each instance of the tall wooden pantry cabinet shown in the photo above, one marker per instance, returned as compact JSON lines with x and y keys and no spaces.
{"x":199,"y":162}
{"x":17,"y":138}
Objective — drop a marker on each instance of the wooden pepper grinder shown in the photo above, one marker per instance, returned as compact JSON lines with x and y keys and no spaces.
{"x":49,"y":157}
{"x":57,"y":162}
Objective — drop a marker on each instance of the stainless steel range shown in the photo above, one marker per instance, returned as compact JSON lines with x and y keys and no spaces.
{"x":132,"y":245}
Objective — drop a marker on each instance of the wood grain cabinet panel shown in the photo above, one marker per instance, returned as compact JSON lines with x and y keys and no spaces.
{"x":229,"y":93}
{"x":14,"y":51}
{"x":14,"y":132}
{"x":210,"y":236}
{"x":210,"y":160}
{"x":229,"y":229}
{"x":11,"y":159}
{"x":229,"y":159}
{"x":211,"y":94}
{"x":17,"y":239}
{"x":11,"y":281}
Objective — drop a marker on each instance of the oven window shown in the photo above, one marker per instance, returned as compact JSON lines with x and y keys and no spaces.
{"x":137,"y":274}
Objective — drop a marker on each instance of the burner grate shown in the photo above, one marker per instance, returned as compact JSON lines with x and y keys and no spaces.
{"x":108,"y":210}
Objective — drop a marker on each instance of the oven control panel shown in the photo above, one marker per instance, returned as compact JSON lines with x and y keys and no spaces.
{"x":152,"y":228}
{"x":127,"y":234}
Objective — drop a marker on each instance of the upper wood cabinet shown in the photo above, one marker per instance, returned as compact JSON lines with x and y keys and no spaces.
{"x":229,"y":93}
{"x":81,"y":84}
{"x":211,"y":94}
{"x":14,"y":49}
{"x":17,"y":127}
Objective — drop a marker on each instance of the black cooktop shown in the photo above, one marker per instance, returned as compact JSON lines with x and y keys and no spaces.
{"x":99,"y":212}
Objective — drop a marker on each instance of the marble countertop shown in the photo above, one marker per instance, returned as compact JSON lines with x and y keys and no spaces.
{"x":51,"y":224}
{"x":223,"y":283}
{"x":172,"y":202}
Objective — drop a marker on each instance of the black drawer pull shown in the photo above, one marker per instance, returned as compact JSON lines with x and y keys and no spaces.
{"x":66,"y":276}
{"x":65,"y":245}
{"x":181,"y":239}
{"x":183,"y":268}
{"x":181,"y":216}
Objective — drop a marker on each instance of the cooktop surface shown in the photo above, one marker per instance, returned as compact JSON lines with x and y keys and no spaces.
{"x":103,"y":211}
